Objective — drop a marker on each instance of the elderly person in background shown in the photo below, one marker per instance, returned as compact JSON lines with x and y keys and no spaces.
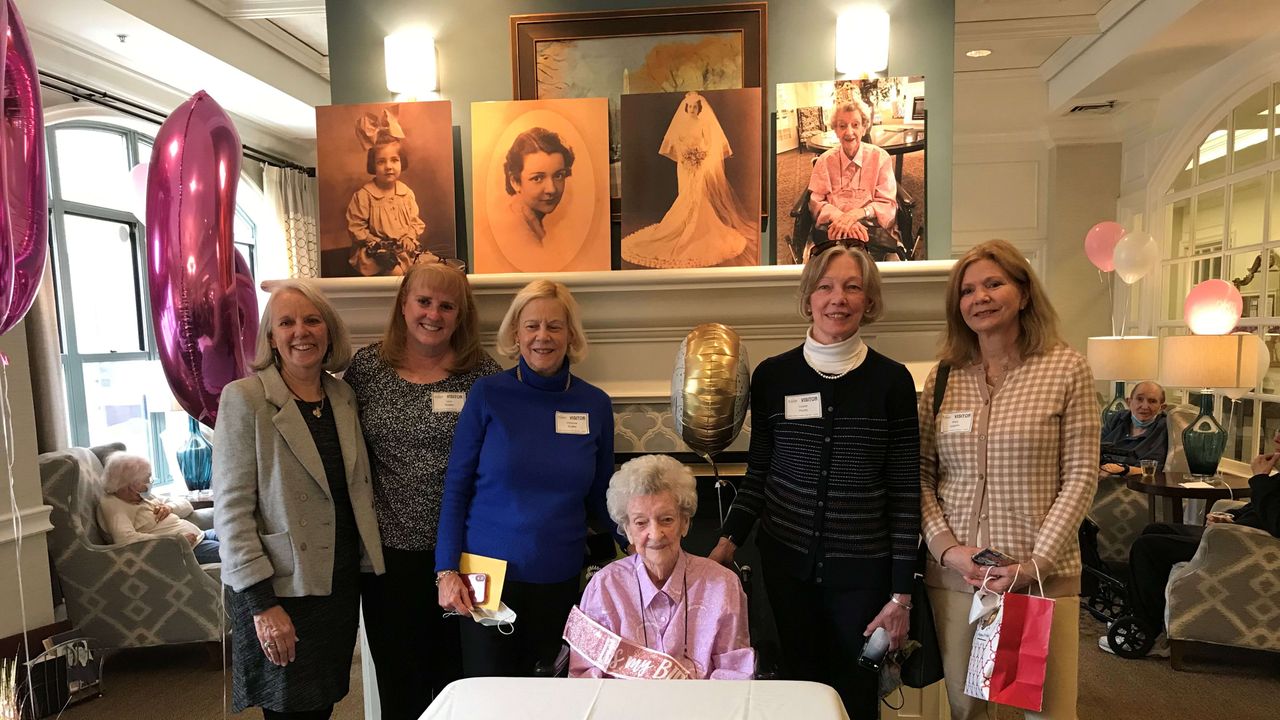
{"x":1137,"y":434}
{"x":833,"y":480}
{"x":852,"y":187}
{"x":125,"y":516}
{"x":1010,"y":462}
{"x":662,"y":598}
{"x":411,"y":387}
{"x":294,"y":507}
{"x":532,"y":455}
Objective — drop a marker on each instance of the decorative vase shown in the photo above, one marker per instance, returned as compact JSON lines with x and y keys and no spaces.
{"x":1204,"y":440}
{"x":195,"y":459}
{"x":1116,"y":406}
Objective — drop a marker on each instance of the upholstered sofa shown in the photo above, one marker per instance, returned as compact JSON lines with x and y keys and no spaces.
{"x":140,"y":594}
{"x":1228,"y":594}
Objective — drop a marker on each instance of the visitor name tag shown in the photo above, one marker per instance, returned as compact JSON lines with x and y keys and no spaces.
{"x":803,"y":407}
{"x":447,"y":401}
{"x":957,"y":422}
{"x":573,"y":423}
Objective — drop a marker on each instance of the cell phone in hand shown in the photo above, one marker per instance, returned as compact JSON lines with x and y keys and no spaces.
{"x":873,"y":651}
{"x":990,"y":557}
{"x":479,"y":586}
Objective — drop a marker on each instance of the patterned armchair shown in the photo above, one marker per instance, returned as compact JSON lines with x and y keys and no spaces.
{"x":1228,"y":594}
{"x":140,"y":594}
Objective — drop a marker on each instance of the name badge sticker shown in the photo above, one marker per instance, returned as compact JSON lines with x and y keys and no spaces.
{"x":803,"y":407}
{"x":957,"y":422}
{"x":573,"y":423}
{"x":447,"y":401}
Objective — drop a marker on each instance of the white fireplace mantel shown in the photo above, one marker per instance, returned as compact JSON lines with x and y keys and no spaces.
{"x":636,"y":319}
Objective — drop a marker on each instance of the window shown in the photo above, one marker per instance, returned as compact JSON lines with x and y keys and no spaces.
{"x":116,"y":389}
{"x":1221,"y":217}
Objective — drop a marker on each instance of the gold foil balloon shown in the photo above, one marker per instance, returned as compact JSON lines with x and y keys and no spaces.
{"x":709,"y":388}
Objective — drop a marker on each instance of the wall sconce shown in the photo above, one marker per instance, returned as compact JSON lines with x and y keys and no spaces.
{"x":410,"y":58}
{"x":862,"y":41}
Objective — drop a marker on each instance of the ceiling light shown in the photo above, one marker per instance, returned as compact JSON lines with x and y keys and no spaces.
{"x":980,"y":52}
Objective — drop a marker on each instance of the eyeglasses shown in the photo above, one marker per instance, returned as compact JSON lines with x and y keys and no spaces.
{"x":826,"y":245}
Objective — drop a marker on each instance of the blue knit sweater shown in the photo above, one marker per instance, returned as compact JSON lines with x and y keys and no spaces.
{"x":518,"y":490}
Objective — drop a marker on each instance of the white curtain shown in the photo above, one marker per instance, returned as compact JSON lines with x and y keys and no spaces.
{"x":291,"y":195}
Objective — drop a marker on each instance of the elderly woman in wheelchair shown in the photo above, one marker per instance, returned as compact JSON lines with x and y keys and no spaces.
{"x":676,"y":615}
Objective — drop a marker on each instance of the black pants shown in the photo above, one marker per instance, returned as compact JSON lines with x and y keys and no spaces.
{"x":324,"y":714}
{"x":416,"y":651}
{"x":541,"y":611}
{"x":1152,"y":557}
{"x":820,"y":631}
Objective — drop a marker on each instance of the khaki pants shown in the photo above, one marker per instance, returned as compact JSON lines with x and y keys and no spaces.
{"x":955,"y":638}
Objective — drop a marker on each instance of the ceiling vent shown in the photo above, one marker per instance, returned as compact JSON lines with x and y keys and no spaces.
{"x":1100,"y":108}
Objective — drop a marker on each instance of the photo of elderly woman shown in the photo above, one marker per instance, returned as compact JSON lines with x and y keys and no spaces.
{"x":850,"y":165}
{"x":709,"y":215}
{"x":385,"y":172}
{"x":541,"y":185}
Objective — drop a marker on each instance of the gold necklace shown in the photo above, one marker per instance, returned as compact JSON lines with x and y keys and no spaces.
{"x":520,"y":378}
{"x":318,"y":410}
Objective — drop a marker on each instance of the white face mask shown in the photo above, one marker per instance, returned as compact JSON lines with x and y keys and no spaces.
{"x":503,"y":616}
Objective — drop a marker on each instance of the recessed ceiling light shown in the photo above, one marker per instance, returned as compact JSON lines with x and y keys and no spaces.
{"x":981,"y":52}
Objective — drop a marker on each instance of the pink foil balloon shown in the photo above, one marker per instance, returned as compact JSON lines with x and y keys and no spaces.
{"x":1100,"y":244}
{"x":1213,"y":307}
{"x":198,"y":303}
{"x":24,"y":228}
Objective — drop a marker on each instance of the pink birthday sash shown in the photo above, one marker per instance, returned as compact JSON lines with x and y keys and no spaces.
{"x":617,"y":656}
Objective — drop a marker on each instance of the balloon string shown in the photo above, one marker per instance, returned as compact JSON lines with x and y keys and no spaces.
{"x":6,"y":432}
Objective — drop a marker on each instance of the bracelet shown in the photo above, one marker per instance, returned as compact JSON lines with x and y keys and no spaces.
{"x":443,"y":574}
{"x":896,"y":601}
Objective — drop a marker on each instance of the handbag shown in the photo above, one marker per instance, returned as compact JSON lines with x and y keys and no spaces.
{"x":923,"y":666}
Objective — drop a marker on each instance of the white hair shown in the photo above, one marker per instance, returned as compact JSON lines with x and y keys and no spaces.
{"x":651,"y":475}
{"x":123,"y":468}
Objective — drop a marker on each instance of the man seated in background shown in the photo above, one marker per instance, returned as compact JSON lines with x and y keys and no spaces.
{"x":1137,"y":434}
{"x":1163,"y":545}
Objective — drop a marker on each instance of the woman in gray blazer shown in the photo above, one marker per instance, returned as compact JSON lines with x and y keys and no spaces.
{"x":294,"y":507}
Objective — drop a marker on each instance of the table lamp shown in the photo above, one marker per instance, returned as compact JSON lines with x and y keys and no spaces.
{"x":1206,"y":362}
{"x":1120,"y":359}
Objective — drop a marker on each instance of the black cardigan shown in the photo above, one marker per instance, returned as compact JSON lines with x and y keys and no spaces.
{"x":837,"y":497}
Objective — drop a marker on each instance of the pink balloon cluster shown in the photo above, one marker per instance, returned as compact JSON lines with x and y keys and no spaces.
{"x":202,"y":296}
{"x":1130,"y":254}
{"x":24,"y":213}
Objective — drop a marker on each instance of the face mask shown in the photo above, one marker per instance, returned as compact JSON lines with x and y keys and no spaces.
{"x":1142,"y":424}
{"x":504,"y":618}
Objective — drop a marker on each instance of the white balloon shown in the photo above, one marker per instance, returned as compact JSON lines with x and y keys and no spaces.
{"x":138,"y":176}
{"x":1135,"y":255}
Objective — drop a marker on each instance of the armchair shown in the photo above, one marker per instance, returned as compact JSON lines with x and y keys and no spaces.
{"x":1228,"y":593}
{"x":136,"y":595}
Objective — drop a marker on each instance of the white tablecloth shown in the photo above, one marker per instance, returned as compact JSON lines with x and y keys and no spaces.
{"x":550,"y":698}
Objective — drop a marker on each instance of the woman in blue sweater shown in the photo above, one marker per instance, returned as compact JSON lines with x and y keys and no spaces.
{"x":532,"y":454}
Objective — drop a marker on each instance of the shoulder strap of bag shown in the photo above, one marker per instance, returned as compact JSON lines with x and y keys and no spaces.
{"x":940,"y":387}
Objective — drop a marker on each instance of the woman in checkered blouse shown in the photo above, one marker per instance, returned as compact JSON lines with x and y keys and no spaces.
{"x":1009,"y":462}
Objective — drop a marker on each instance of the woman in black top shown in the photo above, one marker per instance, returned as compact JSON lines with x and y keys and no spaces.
{"x":833,"y":479}
{"x":410,"y":388}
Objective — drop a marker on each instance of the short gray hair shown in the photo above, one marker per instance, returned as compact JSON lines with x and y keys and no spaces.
{"x":121,"y":470}
{"x":336,"y":357}
{"x":854,"y":105}
{"x":508,"y":344}
{"x":651,"y":475}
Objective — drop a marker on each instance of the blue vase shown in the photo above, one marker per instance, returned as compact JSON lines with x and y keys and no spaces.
{"x":1204,"y":440}
{"x":195,"y":459}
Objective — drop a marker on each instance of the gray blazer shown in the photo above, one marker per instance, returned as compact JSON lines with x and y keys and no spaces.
{"x":272,"y":507}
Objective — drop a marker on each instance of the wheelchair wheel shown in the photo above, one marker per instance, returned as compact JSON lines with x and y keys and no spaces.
{"x":1130,"y":638}
{"x":1106,"y":602}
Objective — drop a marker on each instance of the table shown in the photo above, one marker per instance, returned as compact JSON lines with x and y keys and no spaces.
{"x":897,"y":141}
{"x":1166,"y":487}
{"x":584,"y":699}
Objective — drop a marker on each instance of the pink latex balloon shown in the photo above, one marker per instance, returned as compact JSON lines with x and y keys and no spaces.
{"x":198,"y":303}
{"x":24,"y":228}
{"x":1213,"y":307}
{"x":1100,"y":244}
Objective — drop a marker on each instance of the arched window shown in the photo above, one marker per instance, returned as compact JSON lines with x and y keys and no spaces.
{"x":1221,"y":219}
{"x":116,"y":389}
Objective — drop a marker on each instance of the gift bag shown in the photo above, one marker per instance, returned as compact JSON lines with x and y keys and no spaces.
{"x":1023,"y":651}
{"x":982,"y":657}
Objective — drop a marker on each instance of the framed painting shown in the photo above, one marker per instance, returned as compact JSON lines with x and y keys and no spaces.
{"x":611,"y":53}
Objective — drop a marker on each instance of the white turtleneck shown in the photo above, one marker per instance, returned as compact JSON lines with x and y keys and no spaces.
{"x":836,"y":358}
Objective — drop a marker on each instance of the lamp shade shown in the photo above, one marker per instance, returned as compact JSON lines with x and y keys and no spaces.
{"x":1124,"y":358}
{"x":1209,"y":361}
